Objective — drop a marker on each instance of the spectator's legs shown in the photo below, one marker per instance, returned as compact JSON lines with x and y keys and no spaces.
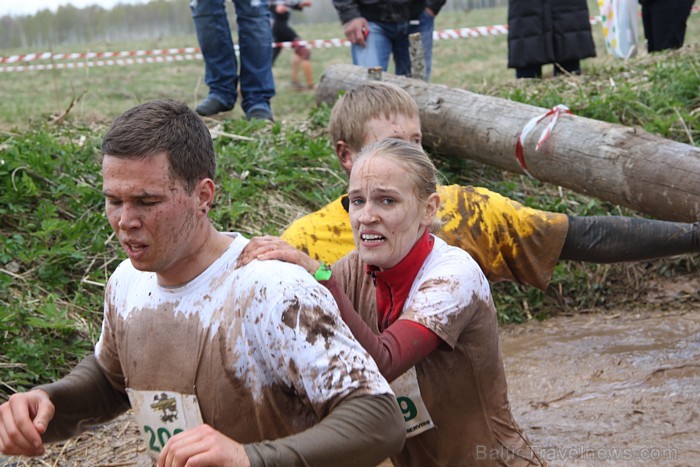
{"x":296,"y":64}
{"x":400,"y":46}
{"x":214,"y":36}
{"x":302,"y":60}
{"x":648,"y":26}
{"x":255,"y":51}
{"x":304,"y":54}
{"x":572,"y":66}
{"x":533,"y":71}
{"x":377,"y":47}
{"x":665,"y":23}
{"x":308,"y":73}
{"x":275,"y":52}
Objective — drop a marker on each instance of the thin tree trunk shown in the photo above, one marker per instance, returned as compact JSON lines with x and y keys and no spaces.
{"x":626,"y":166}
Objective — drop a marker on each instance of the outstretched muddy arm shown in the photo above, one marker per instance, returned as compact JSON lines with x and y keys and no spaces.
{"x":612,"y":239}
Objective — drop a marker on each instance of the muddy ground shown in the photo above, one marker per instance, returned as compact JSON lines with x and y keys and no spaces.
{"x":607,"y":387}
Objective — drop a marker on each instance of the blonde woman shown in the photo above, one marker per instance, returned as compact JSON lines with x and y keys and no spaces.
{"x":423,"y":309}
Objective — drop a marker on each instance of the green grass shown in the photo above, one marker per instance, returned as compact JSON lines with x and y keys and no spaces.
{"x":56,"y":249}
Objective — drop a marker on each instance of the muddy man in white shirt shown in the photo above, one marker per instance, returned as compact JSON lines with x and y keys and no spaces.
{"x":222,"y":366}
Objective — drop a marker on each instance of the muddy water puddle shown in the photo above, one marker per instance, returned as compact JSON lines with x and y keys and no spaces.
{"x":602,"y":390}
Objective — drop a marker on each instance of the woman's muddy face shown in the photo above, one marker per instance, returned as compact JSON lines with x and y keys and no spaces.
{"x":386,"y":216}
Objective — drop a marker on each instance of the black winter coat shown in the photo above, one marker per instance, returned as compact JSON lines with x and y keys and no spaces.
{"x":548,"y":31}
{"x":387,"y":11}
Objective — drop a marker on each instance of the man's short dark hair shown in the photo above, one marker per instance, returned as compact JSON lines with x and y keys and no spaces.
{"x":167,"y":126}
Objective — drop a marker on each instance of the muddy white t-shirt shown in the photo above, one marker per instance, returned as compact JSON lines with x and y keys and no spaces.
{"x":462,"y":383}
{"x":262,"y":347}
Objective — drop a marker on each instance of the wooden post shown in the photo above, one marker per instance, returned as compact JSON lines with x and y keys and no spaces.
{"x":417,"y":53}
{"x":626,"y":166}
{"x":374,"y":73}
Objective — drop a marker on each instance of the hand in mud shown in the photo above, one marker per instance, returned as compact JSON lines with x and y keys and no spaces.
{"x":202,"y":445}
{"x":269,"y":247}
{"x":23,"y":419}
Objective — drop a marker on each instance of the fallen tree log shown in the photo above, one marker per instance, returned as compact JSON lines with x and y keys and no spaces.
{"x":626,"y":166}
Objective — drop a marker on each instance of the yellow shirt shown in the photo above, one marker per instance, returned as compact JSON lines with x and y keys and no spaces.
{"x":509,"y":241}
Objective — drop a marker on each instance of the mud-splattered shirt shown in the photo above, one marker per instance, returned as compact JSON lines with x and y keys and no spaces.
{"x":463,"y":381}
{"x":262,"y":347}
{"x":509,"y":241}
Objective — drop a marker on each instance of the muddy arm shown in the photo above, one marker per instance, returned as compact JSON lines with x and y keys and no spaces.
{"x":359,"y":431}
{"x":82,"y":398}
{"x":612,"y":239}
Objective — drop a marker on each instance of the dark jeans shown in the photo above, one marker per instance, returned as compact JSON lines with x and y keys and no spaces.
{"x":255,"y":51}
{"x":385,"y":39}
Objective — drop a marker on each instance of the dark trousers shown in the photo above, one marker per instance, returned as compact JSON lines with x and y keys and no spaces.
{"x":535,"y":71}
{"x":664,"y":23}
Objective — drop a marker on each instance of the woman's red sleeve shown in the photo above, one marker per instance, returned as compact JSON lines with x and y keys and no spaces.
{"x":399,"y":347}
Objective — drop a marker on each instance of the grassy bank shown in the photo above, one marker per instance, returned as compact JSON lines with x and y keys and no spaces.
{"x":56,"y":249}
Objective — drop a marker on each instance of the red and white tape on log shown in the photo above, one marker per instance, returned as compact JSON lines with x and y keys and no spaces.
{"x":130,"y":57}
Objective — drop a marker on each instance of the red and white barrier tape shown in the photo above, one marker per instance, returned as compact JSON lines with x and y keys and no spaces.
{"x":530,"y":125}
{"x":318,"y":43}
{"x":95,"y":63}
{"x":195,"y":53}
{"x":93,"y":55}
{"x":321,"y":43}
{"x":464,"y":33}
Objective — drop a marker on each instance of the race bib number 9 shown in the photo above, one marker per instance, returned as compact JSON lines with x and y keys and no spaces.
{"x":415,"y":414}
{"x":162,"y":414}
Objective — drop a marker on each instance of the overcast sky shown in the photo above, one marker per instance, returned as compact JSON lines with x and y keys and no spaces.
{"x":29,"y":7}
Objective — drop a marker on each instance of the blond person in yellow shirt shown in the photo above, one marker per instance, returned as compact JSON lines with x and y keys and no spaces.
{"x":509,"y":241}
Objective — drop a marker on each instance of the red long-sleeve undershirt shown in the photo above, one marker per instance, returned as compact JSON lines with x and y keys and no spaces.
{"x":399,"y":347}
{"x":401,"y":343}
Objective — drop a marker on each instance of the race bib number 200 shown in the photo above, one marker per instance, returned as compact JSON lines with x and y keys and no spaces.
{"x":163,"y":414}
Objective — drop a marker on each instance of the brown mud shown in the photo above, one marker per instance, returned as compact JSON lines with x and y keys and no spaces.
{"x":611,"y":387}
{"x":615,"y":389}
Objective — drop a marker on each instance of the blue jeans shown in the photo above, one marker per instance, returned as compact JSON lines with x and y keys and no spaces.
{"x":255,"y":51}
{"x":387,"y":38}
